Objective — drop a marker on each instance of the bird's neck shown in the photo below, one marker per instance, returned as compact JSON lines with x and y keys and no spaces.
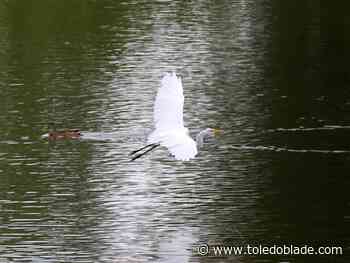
{"x":200,"y":138}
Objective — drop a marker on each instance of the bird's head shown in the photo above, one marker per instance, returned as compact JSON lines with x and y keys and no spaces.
{"x":208,"y":132}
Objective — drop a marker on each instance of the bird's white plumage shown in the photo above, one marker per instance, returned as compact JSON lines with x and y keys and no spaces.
{"x":168,"y":120}
{"x":168,"y":106}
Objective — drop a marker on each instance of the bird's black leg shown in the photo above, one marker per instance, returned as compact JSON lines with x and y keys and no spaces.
{"x":153,"y":146}
{"x":142,"y":148}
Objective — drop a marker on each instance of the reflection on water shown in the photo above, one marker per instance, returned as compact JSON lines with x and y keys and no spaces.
{"x":278,"y":174}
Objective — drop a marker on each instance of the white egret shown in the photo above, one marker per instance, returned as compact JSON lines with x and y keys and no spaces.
{"x":168,"y":119}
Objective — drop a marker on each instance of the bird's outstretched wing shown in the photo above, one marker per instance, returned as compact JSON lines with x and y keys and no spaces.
{"x":168,"y":120}
{"x":168,"y":107}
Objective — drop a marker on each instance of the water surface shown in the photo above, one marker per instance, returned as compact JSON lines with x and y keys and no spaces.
{"x":260,"y":70}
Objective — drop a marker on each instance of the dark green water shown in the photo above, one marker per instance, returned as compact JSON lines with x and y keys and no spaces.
{"x":263,"y":71}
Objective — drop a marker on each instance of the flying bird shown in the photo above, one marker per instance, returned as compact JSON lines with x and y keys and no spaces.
{"x":170,"y":131}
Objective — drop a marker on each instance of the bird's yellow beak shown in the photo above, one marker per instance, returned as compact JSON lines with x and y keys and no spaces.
{"x":217,"y":132}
